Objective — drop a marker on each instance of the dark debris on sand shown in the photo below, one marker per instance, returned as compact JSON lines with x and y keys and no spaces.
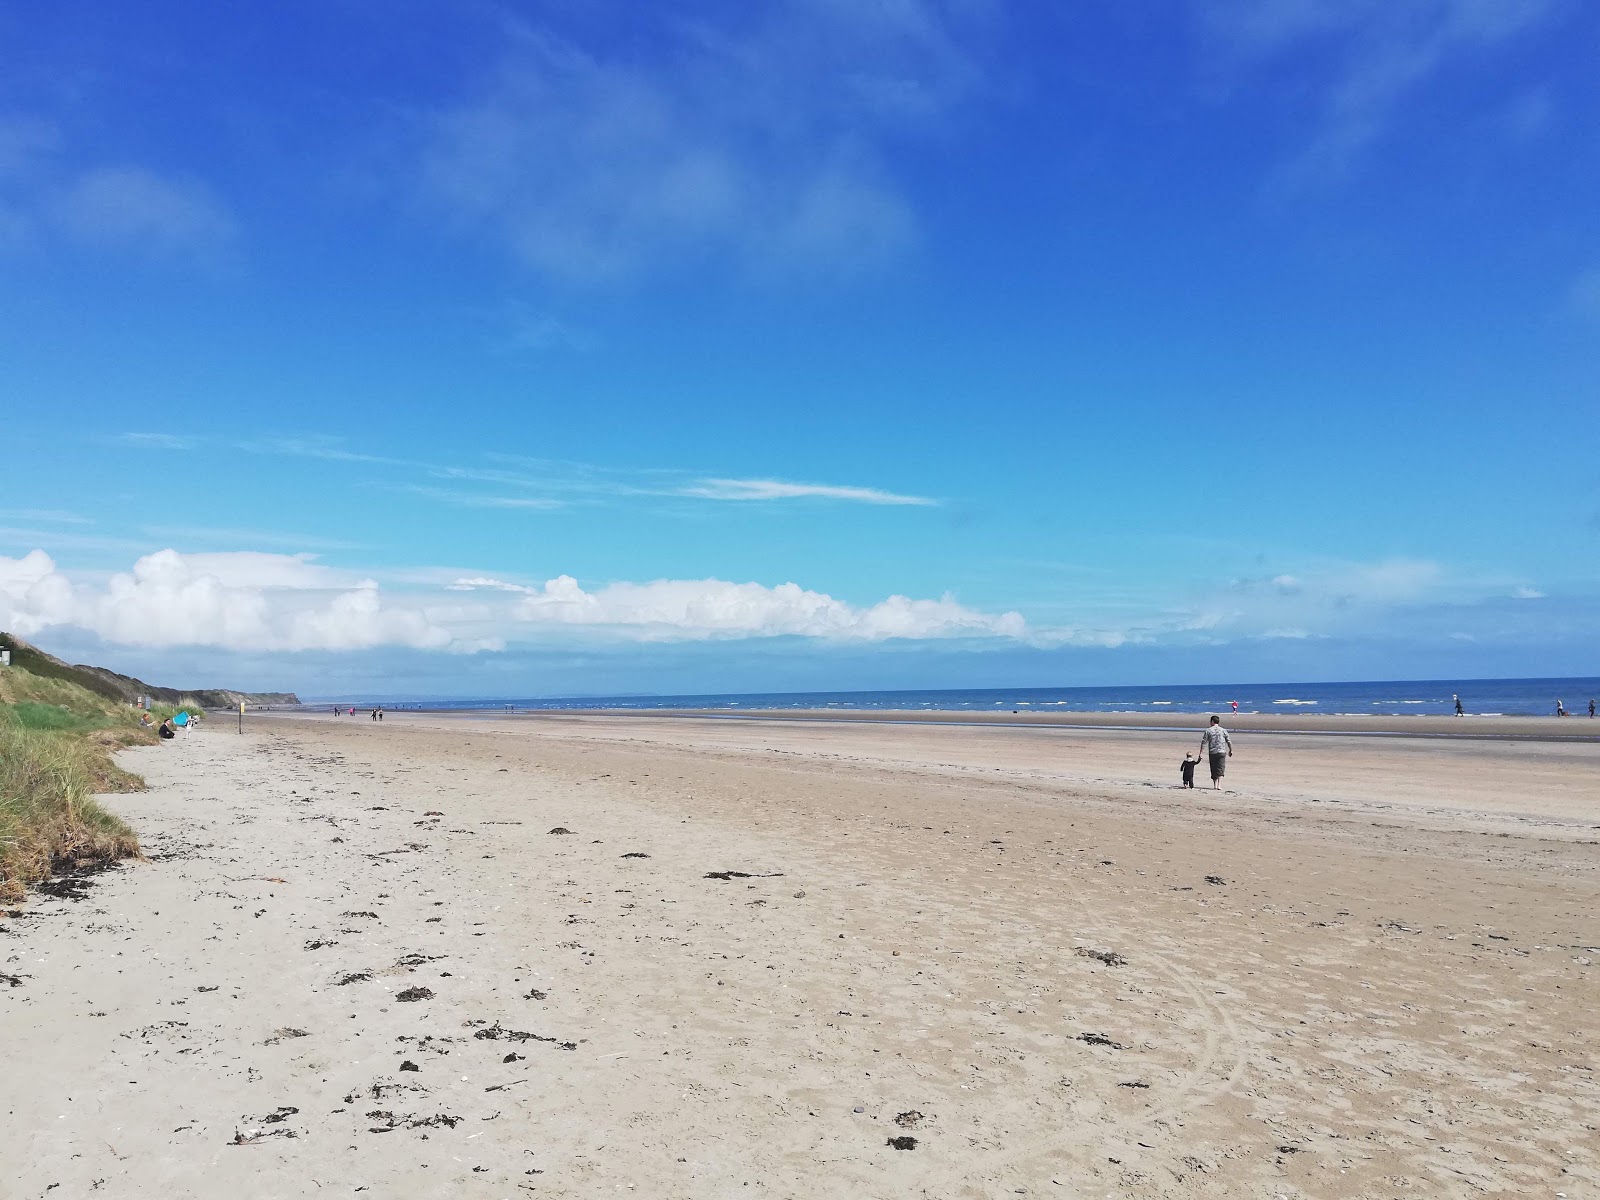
{"x":74,"y":882}
{"x":1110,"y":957}
{"x":903,"y":1142}
{"x":498,"y":1032}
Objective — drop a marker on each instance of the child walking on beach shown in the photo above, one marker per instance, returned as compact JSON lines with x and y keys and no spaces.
{"x":1190,"y":762}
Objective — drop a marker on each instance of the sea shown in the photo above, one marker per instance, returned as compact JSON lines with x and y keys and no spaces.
{"x":1415,"y":697}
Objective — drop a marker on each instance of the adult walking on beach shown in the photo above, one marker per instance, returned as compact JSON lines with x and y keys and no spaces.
{"x":1217,"y":746}
{"x":1561,"y":709}
{"x":1460,"y":712}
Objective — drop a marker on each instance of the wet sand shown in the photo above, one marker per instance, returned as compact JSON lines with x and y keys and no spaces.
{"x":1471,"y":726}
{"x":766,"y":949}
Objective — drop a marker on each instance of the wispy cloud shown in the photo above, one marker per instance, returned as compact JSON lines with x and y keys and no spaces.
{"x":237,"y":538}
{"x":327,"y":449}
{"x":1527,"y":593}
{"x":761,"y":140}
{"x":53,"y":516}
{"x":548,"y":483}
{"x":477,"y":499}
{"x":1584,"y":294}
{"x":528,"y":329}
{"x":1379,"y":53}
{"x":774,"y":489}
{"x":127,"y":208}
{"x":160,"y":441}
{"x":135,"y":209}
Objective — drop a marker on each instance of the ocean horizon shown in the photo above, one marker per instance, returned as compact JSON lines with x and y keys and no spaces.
{"x":1430,"y":697}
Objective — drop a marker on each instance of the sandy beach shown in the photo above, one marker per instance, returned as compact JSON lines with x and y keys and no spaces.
{"x":676,"y":957}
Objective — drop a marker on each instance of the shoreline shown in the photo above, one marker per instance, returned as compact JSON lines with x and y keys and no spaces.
{"x":1574,"y":729}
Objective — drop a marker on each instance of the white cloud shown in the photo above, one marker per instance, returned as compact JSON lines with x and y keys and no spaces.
{"x":539,"y":477}
{"x":52,"y":516}
{"x":132,"y":208}
{"x":478,"y":499}
{"x":1311,"y":602}
{"x":773,"y":489}
{"x":1383,"y":52}
{"x":1527,"y":593}
{"x":160,"y":441}
{"x":1584,"y":294}
{"x":473,"y":583}
{"x":759,"y":140}
{"x":236,"y":601}
{"x":689,"y":609}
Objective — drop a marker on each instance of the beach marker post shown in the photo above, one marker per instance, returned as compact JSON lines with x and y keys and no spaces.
{"x":241,"y":716}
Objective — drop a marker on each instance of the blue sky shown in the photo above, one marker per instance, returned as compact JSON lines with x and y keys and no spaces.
{"x":553,"y":348}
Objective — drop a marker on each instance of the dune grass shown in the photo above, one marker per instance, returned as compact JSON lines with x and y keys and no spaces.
{"x":56,"y":740}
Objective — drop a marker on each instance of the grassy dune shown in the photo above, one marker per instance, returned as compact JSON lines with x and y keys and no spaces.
{"x":56,"y":742}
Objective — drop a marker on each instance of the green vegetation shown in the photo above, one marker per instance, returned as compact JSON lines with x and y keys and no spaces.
{"x":46,"y":666}
{"x":30,"y":714}
{"x":125,"y":689}
{"x":56,"y":741}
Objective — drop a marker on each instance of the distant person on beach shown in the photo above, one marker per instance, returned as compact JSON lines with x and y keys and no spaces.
{"x":1561,"y":709}
{"x":1218,"y":748}
{"x":1190,"y":762}
{"x":1460,"y":712}
{"x":380,"y":712}
{"x":1235,"y":704}
{"x":1591,"y":710}
{"x":166,"y":731}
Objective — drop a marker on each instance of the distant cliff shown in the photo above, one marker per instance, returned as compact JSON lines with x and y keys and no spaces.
{"x":125,"y":688}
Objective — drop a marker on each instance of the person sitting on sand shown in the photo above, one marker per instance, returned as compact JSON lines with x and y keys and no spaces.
{"x":1218,"y":747}
{"x":1190,"y":762}
{"x":166,"y":731}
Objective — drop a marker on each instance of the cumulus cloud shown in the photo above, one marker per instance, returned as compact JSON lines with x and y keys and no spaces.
{"x":235,"y":601}
{"x":773,"y":489}
{"x":688,"y":609}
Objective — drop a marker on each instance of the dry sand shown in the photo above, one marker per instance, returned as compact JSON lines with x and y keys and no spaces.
{"x":1369,"y":970}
